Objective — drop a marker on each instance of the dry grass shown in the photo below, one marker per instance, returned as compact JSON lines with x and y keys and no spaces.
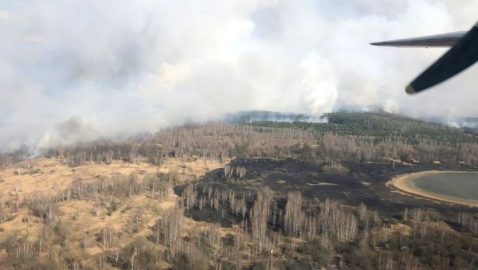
{"x":80,"y":217}
{"x":50,"y":176}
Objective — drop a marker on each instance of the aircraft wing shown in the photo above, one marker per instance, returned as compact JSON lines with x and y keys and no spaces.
{"x":463,"y":54}
{"x":443,"y":40}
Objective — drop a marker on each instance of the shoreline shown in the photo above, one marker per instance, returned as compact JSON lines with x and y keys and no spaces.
{"x":403,"y":184}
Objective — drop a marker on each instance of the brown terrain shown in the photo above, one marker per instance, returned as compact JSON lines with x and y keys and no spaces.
{"x":82,"y":220}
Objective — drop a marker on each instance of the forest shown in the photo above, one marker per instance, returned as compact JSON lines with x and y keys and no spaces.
{"x":263,"y":208}
{"x":359,"y":137}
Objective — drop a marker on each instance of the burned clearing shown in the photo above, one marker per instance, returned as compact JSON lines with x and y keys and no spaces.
{"x":362,"y":183}
{"x":258,"y":195}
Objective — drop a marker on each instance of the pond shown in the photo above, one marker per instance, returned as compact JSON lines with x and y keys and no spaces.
{"x":460,"y":185}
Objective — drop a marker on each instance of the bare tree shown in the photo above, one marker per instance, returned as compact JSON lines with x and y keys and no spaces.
{"x":294,"y":216}
{"x":260,"y":215}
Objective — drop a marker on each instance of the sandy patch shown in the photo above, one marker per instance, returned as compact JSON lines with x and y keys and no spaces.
{"x":321,"y":184}
{"x":403,"y":184}
{"x":51,"y":176}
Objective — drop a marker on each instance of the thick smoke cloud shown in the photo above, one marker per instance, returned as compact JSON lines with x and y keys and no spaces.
{"x":78,"y":70}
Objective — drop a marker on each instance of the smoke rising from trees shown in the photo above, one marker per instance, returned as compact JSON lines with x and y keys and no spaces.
{"x":115,"y":68}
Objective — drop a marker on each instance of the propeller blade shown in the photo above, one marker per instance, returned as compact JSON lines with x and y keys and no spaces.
{"x":458,"y":58}
{"x":442,"y":40}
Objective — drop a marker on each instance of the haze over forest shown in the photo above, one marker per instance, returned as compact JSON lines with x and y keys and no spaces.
{"x":256,"y":134}
{"x":74,"y":71}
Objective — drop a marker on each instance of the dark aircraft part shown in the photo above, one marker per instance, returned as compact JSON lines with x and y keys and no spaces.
{"x":460,"y":57}
{"x":443,"y":40}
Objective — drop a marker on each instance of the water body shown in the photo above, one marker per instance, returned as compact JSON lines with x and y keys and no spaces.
{"x":460,"y":185}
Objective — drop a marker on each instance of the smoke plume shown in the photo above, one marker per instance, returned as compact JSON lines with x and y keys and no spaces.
{"x":78,"y":70}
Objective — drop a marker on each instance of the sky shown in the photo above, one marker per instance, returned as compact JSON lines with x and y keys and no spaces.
{"x":78,"y":70}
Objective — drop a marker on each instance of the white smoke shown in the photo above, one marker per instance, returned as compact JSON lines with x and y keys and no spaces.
{"x":122,"y":67}
{"x":71,"y":131}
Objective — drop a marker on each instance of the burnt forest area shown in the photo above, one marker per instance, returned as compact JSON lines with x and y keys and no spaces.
{"x":290,"y":195}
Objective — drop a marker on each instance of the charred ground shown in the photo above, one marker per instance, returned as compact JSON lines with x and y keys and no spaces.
{"x":254,"y":194}
{"x":361,"y":184}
